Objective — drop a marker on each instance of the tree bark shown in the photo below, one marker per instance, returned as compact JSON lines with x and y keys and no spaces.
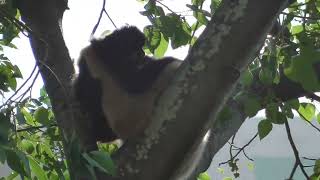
{"x":44,"y":18}
{"x":185,"y":111}
{"x":200,"y":89}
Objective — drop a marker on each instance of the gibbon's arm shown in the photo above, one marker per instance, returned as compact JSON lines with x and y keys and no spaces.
{"x":88,"y":92}
{"x":128,"y":113}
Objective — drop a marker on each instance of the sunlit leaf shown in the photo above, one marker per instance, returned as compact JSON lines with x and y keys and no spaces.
{"x":307,"y":111}
{"x":37,"y":170}
{"x":204,"y":176}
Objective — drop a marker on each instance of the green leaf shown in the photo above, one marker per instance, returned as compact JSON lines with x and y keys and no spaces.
{"x":287,"y":110}
{"x":151,"y":8}
{"x":252,"y":106}
{"x":264,"y":128}
{"x":280,"y":118}
{"x":104,"y":160}
{"x":318,"y":118}
{"x":3,"y":156}
{"x":162,"y":48}
{"x":197,"y":2}
{"x":266,"y":76}
{"x":199,"y":15}
{"x":296,"y":29}
{"x":12,"y":176}
{"x":225,"y":114}
{"x":18,"y":162}
{"x":316,"y":168}
{"x":37,"y":170}
{"x":17,"y":72}
{"x":246,"y":78}
{"x":153,"y":36}
{"x":28,"y":117}
{"x":5,"y":127}
{"x":42,"y":116}
{"x":228,"y":178}
{"x":302,"y":70}
{"x":12,"y":82}
{"x":214,"y":5}
{"x":307,"y":111}
{"x":294,"y":103}
{"x":250,"y":166}
{"x":181,"y":36}
{"x":271,"y":110}
{"x":204,"y":176}
{"x":27,"y":146}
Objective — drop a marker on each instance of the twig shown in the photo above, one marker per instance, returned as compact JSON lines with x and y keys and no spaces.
{"x":157,"y":1}
{"x":311,"y":159}
{"x":314,"y":126}
{"x":308,"y":122}
{"x":301,"y":17}
{"x":103,"y":10}
{"x":23,"y":84}
{"x":295,"y":150}
{"x":20,"y":25}
{"x":32,"y":83}
{"x":313,"y":96}
{"x":195,"y":28}
{"x":35,"y":128}
{"x":240,"y":150}
{"x":293,"y":170}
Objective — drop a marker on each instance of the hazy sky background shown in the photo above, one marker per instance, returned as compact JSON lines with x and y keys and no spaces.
{"x":78,"y":23}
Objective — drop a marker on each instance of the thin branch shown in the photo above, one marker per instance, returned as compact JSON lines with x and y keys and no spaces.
{"x":20,"y":25}
{"x":313,"y":96}
{"x":301,"y":17}
{"x":195,"y":28}
{"x":240,"y":150}
{"x":299,"y":5}
{"x":295,"y":150}
{"x":99,"y":18}
{"x":311,"y":159}
{"x":35,"y":128}
{"x":103,"y":10}
{"x":247,"y":156}
{"x":314,"y":126}
{"x":32,"y":83}
{"x":23,"y":84}
{"x":58,"y":80}
{"x":293,"y":171}
{"x":157,"y":1}
{"x":318,"y":129}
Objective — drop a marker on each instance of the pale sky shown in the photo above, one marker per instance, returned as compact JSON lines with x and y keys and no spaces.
{"x":78,"y":23}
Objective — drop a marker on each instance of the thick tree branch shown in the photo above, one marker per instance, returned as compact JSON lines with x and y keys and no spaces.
{"x":44,"y":17}
{"x":200,"y":88}
{"x":295,"y":151}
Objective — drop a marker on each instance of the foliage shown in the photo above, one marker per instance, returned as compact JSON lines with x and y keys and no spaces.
{"x":30,"y":141}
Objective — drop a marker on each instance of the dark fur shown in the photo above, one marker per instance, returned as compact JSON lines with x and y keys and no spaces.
{"x":124,"y":59}
{"x":88,"y":92}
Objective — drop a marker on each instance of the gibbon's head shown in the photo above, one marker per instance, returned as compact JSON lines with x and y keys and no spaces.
{"x":123,"y":47}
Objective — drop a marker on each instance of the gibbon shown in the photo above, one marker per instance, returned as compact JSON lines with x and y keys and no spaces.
{"x":118,"y":85}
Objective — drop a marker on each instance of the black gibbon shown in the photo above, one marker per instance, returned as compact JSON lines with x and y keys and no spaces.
{"x":118,"y":85}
